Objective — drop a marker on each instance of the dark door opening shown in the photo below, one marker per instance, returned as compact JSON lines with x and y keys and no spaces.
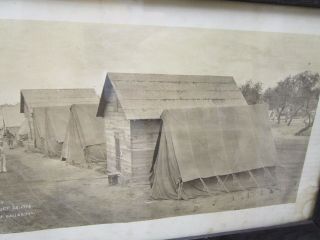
{"x":118,"y":152}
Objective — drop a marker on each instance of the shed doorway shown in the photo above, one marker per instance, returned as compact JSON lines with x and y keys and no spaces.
{"x":117,"y":151}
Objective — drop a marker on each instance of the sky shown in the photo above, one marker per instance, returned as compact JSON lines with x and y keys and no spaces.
{"x":40,"y":54}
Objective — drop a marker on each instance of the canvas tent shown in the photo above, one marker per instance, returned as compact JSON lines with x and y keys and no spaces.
{"x":1,"y":121}
{"x":23,"y":130}
{"x":199,"y":149}
{"x":12,"y":118}
{"x":131,"y":104}
{"x":37,"y":98}
{"x":50,"y":125}
{"x":84,"y":143}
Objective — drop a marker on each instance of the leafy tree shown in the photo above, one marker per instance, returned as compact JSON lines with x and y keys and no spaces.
{"x":279,"y":97}
{"x":252,"y":92}
{"x":295,"y":95}
{"x":306,"y":96}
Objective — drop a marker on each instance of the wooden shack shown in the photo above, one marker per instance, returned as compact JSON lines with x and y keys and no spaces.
{"x":131,"y":105}
{"x":39,"y":98}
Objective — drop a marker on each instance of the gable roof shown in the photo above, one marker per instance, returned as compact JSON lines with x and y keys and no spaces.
{"x":56,"y":97}
{"x":12,"y":116}
{"x":145,"y":96}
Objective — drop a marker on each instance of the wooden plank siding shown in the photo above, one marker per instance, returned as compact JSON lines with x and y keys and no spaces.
{"x":117,"y":125}
{"x":144,"y":135}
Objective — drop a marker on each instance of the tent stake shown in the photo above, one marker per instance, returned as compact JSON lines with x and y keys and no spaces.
{"x":226,"y":178}
{"x":254,"y":179}
{"x":205,"y":186}
{"x":221,"y":182}
{"x":238,"y":181}
{"x":268,"y":171}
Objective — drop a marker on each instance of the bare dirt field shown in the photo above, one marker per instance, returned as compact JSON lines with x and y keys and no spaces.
{"x":282,"y":130}
{"x":38,"y":193}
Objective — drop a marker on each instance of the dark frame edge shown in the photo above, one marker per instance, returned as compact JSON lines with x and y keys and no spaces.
{"x":302,"y":230}
{"x":298,"y":3}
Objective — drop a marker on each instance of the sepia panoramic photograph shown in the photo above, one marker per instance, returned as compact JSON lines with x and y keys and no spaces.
{"x":104,"y":123}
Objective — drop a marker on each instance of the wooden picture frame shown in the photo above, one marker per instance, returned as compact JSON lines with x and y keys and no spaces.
{"x":307,"y":229}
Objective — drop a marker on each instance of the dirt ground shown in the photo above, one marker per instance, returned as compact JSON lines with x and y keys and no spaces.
{"x":283,"y":130}
{"x":39,"y":193}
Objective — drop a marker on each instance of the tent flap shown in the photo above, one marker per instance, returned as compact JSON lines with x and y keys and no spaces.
{"x":84,"y":140}
{"x":50,"y":125}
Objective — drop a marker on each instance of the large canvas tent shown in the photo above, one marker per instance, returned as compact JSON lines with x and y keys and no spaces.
{"x":35,"y":98}
{"x":131,"y":104}
{"x":50,"y":125}
{"x":200,"y":148}
{"x":1,"y":122}
{"x":84,"y":143}
{"x":23,"y":130}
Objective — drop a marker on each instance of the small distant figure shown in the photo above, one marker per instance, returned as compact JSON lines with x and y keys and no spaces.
{"x":3,"y":163}
{"x":10,"y":138}
{"x":272,"y":115}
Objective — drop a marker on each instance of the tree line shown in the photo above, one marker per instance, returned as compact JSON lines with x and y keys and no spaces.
{"x":295,"y":96}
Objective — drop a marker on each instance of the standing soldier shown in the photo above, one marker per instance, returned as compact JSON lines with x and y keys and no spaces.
{"x":10,"y":138}
{"x":3,"y":163}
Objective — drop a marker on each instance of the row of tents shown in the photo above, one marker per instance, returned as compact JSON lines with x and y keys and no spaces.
{"x":62,"y":123}
{"x":186,"y":135}
{"x":72,"y":132}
